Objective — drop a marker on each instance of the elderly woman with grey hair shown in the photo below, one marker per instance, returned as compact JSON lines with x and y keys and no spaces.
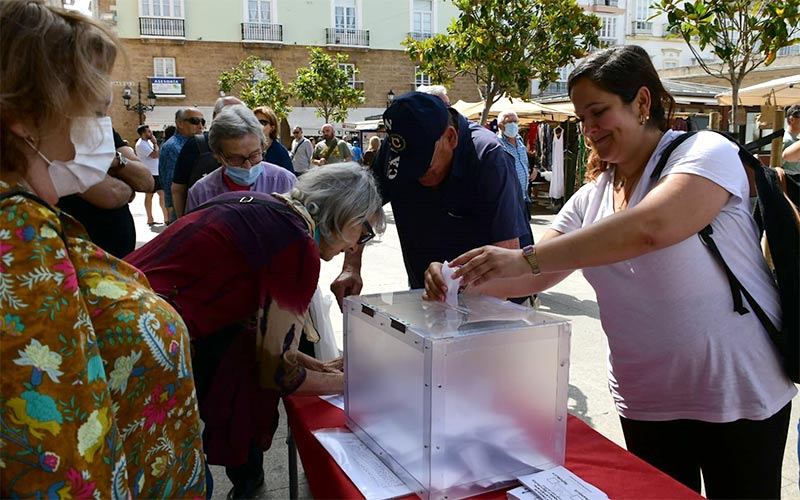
{"x":237,"y":140}
{"x":241,"y":270}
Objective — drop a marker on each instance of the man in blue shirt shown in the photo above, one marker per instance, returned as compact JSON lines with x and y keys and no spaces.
{"x":188,"y":123}
{"x":508,"y":122}
{"x":451,"y":184}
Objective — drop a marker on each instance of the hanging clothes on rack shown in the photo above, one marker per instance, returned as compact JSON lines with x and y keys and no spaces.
{"x":583,"y":157}
{"x":557,"y":164}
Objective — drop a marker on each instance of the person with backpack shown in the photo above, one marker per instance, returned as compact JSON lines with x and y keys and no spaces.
{"x":699,"y":385}
{"x":330,"y":149}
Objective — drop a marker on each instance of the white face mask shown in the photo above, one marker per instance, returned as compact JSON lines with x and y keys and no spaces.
{"x":93,"y":140}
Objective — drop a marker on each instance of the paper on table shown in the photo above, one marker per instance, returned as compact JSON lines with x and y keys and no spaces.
{"x":559,"y":483}
{"x":336,"y":400}
{"x":520,"y":493}
{"x":452,"y":284}
{"x":372,"y":478}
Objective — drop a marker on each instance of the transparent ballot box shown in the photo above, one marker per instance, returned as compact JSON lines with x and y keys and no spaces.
{"x":456,"y":400}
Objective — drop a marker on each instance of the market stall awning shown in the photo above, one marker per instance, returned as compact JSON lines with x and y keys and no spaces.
{"x":782,"y":91}
{"x":526,"y":110}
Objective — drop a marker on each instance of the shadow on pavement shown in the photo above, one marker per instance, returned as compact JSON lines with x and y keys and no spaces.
{"x":568,"y":305}
{"x":577,"y":404}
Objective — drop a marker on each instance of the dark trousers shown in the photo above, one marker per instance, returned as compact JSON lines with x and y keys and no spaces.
{"x":740,"y":459}
{"x":250,"y":471}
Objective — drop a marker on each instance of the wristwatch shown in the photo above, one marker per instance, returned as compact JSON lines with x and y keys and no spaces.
{"x":121,"y":159}
{"x":529,"y":252}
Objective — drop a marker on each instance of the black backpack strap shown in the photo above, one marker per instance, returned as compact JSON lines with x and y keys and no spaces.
{"x":737,"y":290}
{"x":662,"y":162}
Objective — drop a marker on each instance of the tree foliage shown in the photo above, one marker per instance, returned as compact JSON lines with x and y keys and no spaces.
{"x":503,"y":45}
{"x":268,"y":90}
{"x":742,"y":34}
{"x":326,"y":86}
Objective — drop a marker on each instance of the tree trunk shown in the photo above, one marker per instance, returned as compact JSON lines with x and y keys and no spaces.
{"x":487,"y":105}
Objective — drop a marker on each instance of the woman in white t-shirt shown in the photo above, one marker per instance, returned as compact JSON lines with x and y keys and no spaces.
{"x":698,"y":386}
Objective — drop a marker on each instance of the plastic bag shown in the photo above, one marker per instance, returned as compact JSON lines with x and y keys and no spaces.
{"x":319,"y":309}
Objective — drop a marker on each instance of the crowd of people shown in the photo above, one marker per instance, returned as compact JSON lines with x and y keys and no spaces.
{"x":128,"y":370}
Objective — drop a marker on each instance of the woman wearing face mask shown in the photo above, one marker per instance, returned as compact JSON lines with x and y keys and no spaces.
{"x":242,"y":271}
{"x":237,"y":140}
{"x":97,"y":390}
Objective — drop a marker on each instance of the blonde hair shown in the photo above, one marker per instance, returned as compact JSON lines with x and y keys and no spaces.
{"x":272,"y":117}
{"x":374,"y":143}
{"x":54,"y":65}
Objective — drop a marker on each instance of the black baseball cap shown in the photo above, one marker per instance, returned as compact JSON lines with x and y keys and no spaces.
{"x":414,"y":122}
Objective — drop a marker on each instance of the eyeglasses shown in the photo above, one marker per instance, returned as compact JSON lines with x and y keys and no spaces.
{"x":195,"y":121}
{"x":264,"y":123}
{"x":296,"y":132}
{"x":367,"y":235}
{"x":238,"y":160}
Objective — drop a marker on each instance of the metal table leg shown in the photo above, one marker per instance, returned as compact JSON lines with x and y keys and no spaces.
{"x":293,"y":487}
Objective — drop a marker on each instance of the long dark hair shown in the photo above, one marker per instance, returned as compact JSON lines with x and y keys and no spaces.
{"x":623,"y":71}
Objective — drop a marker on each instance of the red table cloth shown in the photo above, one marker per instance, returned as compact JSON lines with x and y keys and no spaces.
{"x":590,"y":455}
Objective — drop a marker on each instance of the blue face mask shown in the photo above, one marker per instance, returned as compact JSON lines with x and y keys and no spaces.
{"x":243,"y":176}
{"x":512,"y":129}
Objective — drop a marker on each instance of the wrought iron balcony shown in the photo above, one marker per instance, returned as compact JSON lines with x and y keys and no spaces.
{"x":262,"y":32}
{"x":420,"y":35}
{"x":164,"y":27}
{"x":347,"y":36}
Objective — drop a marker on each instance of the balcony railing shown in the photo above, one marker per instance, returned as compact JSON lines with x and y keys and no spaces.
{"x":791,"y":50}
{"x":166,"y":27}
{"x":642,"y":28}
{"x":606,"y":3}
{"x":262,"y":32}
{"x":420,"y":35}
{"x":555,"y":88}
{"x":347,"y":36}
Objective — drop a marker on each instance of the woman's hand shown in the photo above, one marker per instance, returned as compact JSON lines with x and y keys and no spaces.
{"x":489,"y":262}
{"x":333,"y":366}
{"x":435,"y":287}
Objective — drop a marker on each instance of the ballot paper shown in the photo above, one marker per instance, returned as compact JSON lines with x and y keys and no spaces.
{"x":521,"y":493}
{"x":336,"y":400}
{"x":372,"y":478}
{"x":452,"y":284}
{"x":557,"y":483}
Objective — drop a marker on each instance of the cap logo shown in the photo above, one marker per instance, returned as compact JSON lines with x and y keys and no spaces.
{"x":397,"y":142}
{"x":392,"y":167}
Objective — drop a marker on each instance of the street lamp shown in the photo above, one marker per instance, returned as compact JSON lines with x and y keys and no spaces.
{"x":389,"y":98}
{"x":139,"y":107}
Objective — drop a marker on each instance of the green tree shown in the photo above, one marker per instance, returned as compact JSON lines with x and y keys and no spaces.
{"x":326,"y":86}
{"x":258,"y":84}
{"x":742,"y":34}
{"x":502,"y":45}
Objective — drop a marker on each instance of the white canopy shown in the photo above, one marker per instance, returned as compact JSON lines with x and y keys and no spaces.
{"x":526,"y":110}
{"x":784,"y":91}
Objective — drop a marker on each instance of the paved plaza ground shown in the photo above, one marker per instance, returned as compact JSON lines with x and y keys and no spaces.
{"x":573,"y":298}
